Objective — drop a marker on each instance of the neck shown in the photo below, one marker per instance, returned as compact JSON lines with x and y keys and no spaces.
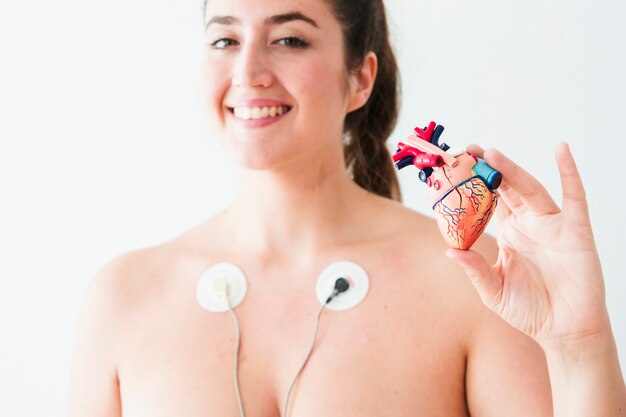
{"x":295,"y":211}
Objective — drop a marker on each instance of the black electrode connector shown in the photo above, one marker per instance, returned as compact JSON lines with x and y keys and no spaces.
{"x":341,"y":285}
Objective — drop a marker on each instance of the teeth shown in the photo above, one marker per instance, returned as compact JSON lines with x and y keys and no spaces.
{"x":259,"y":112}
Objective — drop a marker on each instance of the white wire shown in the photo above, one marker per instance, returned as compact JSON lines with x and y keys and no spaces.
{"x":235,"y":371}
{"x":317,"y":322}
{"x":237,"y":340}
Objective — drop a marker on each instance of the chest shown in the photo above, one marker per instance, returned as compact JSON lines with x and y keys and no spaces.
{"x":391,"y":355}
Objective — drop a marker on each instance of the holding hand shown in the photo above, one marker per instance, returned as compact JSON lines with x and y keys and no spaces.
{"x":547,"y":281}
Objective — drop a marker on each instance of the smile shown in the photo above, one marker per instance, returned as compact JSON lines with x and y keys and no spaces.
{"x":254,"y":113}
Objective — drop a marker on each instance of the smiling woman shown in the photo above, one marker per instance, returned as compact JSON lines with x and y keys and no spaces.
{"x":303,"y":95}
{"x":299,"y":40}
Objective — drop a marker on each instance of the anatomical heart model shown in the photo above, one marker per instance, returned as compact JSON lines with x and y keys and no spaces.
{"x":461,"y":187}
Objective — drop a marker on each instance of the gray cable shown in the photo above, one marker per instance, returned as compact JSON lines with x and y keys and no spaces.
{"x":237,"y":339}
{"x":317,"y":322}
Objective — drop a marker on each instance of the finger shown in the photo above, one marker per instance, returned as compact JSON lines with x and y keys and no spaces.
{"x":475,"y":150}
{"x":574,"y":202}
{"x":502,"y":209}
{"x":531,"y":192}
{"x":483,"y":275}
{"x":511,"y":198}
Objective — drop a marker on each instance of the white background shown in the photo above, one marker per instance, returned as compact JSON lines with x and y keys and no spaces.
{"x":104,"y":144}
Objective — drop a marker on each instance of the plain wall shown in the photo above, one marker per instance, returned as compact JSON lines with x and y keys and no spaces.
{"x":105,"y":147}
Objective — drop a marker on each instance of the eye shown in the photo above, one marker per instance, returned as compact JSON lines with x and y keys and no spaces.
{"x":292,"y":42}
{"x":223,"y":43}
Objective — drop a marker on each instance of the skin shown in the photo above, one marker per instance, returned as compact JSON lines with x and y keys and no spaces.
{"x":421,"y":343}
{"x":548,"y":283}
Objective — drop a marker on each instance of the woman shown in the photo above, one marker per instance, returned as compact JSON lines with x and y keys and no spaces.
{"x":422,"y":342}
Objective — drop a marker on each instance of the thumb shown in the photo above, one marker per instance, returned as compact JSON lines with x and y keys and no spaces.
{"x":484,"y":276}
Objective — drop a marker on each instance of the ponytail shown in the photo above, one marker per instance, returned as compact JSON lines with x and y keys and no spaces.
{"x":366,"y":129}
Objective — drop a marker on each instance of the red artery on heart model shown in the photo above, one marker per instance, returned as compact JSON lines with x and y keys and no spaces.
{"x":461,"y":187}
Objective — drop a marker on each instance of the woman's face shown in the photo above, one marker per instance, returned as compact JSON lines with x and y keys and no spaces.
{"x":275,"y":80}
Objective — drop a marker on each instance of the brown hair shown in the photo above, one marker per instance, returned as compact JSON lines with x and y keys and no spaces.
{"x":364,"y":27}
{"x":366,"y":130}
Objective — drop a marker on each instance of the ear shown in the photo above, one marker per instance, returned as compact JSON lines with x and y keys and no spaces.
{"x":362,"y":82}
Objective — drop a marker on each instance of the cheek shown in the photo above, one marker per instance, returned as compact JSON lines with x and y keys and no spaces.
{"x":214,"y":86}
{"x":324,"y":90}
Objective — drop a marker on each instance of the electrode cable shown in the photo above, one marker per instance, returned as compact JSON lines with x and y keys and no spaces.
{"x":341,"y":285}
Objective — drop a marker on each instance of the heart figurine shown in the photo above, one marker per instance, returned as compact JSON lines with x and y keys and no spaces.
{"x":461,"y":187}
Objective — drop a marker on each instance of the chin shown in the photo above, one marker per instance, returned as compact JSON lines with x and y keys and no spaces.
{"x":261,"y":159}
{"x":262,"y":153}
{"x":254,"y":164}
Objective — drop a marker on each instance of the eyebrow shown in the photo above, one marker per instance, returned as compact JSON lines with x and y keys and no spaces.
{"x":273,"y":20}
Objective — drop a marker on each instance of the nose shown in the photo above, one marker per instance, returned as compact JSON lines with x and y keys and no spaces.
{"x":251,"y":68}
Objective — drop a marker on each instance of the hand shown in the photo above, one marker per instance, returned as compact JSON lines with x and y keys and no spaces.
{"x":547,"y":281}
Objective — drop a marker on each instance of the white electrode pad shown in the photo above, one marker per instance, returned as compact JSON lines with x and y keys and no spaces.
{"x":356,"y":276}
{"x":209,"y":297}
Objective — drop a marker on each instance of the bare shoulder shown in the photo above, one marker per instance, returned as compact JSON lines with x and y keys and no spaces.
{"x":119,"y":280}
{"x":417,"y":247}
{"x":112,"y":295}
{"x":134,"y":277}
{"x":135,"y":282}
{"x":120,"y":273}
{"x":112,"y":298}
{"x":506,"y":371}
{"x":94,"y":382}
